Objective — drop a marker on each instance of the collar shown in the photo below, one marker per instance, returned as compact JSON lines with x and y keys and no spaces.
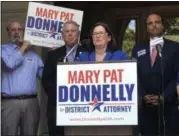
{"x":15,"y":46}
{"x":156,"y":40}
{"x":92,"y":56}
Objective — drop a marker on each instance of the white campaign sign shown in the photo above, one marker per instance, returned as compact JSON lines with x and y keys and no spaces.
{"x":97,"y":94}
{"x":44,"y":23}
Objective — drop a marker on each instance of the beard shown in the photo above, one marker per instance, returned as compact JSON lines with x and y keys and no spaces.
{"x":16,"y":39}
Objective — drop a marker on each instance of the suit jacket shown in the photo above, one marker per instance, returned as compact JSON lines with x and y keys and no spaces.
{"x":150,"y":78}
{"x":178,"y":78}
{"x":90,"y":56}
{"x":49,"y":77}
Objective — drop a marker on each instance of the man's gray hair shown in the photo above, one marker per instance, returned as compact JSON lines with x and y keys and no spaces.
{"x":71,"y":22}
{"x":10,"y":22}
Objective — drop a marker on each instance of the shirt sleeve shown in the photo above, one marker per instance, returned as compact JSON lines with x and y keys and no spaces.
{"x":11,"y":58}
{"x":40,"y":67}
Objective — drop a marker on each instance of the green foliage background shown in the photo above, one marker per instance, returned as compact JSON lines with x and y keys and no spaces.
{"x":129,"y":41}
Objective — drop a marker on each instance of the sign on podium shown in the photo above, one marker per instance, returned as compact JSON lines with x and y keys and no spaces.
{"x":95,"y":95}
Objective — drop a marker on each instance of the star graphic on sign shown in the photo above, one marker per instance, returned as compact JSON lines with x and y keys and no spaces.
{"x":96,"y":105}
{"x":52,"y":34}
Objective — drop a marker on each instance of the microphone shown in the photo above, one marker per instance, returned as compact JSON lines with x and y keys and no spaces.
{"x":72,"y":49}
{"x":84,"y":44}
{"x":159,"y":49}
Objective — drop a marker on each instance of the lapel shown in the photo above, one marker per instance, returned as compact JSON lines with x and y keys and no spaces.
{"x":145,"y":58}
{"x":61,"y":53}
{"x":78,"y":51}
{"x":165,"y":50}
{"x":108,"y":56}
{"x":92,"y":56}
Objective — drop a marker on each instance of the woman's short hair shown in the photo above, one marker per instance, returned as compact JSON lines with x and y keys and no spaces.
{"x":112,"y":44}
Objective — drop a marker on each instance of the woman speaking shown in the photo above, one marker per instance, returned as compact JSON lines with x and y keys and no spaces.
{"x":103,"y":46}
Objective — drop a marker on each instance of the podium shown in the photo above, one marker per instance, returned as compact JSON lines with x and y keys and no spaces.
{"x":97,"y":99}
{"x":99,"y":131}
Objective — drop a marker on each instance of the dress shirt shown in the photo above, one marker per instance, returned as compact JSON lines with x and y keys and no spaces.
{"x":154,"y":41}
{"x":19,"y":71}
{"x":71,"y":56}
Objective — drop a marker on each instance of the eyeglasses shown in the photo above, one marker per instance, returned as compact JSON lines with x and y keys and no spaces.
{"x":101,"y":34}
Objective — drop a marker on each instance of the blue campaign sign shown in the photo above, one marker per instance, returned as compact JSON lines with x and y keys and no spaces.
{"x":44,"y":23}
{"x":97,"y":94}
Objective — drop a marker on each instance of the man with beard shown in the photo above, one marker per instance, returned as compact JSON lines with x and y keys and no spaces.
{"x":157,"y":81}
{"x":20,"y":67}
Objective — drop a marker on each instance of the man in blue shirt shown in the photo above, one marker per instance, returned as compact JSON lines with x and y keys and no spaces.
{"x":20,"y":67}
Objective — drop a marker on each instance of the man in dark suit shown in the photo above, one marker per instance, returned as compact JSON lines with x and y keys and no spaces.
{"x":157,"y":81}
{"x":71,"y":35}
